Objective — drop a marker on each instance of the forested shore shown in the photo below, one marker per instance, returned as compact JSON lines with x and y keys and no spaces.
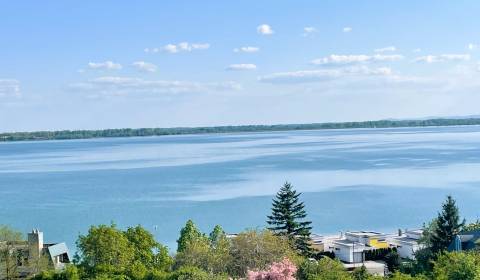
{"x":138,"y":132}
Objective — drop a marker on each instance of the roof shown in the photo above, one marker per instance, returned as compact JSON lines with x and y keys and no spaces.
{"x":364,"y":233}
{"x":465,"y":241}
{"x":405,"y":239}
{"x":346,"y":242}
{"x":58,"y":249}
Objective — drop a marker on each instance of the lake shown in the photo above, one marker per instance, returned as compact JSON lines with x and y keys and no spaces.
{"x":356,"y":179}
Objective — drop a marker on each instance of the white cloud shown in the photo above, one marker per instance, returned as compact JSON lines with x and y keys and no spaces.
{"x":107,"y":65}
{"x":145,"y":66}
{"x":347,"y":29}
{"x":247,"y":49}
{"x":309,"y":76}
{"x":151,"y":50}
{"x":242,"y":67}
{"x":309,"y":30}
{"x":9,"y":88}
{"x":123,"y":86}
{"x":354,"y":59}
{"x":265,"y":29}
{"x":417,"y":50}
{"x":180,"y":47}
{"x":472,"y":47}
{"x":386,"y":49}
{"x":442,"y":58}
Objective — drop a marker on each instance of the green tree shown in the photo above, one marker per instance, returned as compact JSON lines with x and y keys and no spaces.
{"x":211,"y":255}
{"x":194,"y":273}
{"x":217,"y":234}
{"x":324,"y":269}
{"x":448,"y":224}
{"x":392,"y":259}
{"x":105,"y":250}
{"x":9,"y":239}
{"x":402,"y":276}
{"x":147,"y":251}
{"x":189,"y":233}
{"x":256,"y":250}
{"x":288,"y":218}
{"x":457,"y":266}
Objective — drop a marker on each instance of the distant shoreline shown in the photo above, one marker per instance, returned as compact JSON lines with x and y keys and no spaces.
{"x":139,"y":132}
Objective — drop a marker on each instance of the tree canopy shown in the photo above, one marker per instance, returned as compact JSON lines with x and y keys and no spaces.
{"x":288,"y":218}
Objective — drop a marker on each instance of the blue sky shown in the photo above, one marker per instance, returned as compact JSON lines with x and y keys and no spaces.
{"x":108,"y":64}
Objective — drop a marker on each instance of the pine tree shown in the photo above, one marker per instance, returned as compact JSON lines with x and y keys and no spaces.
{"x":288,"y":218}
{"x":447,"y":226}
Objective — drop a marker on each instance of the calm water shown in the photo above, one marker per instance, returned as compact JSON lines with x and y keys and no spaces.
{"x":379,"y":179}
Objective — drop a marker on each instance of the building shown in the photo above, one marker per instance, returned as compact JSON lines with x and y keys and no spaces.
{"x":351,"y":246}
{"x":407,"y":243}
{"x":468,"y":240}
{"x":57,"y":253}
{"x":35,"y":253}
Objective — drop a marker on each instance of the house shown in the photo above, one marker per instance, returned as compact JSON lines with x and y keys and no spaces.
{"x":57,"y":253}
{"x":468,"y":240}
{"x":351,"y":247}
{"x":34,"y":253}
{"x":407,"y":243}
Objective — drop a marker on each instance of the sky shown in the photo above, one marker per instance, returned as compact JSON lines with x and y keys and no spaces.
{"x":114,"y":64}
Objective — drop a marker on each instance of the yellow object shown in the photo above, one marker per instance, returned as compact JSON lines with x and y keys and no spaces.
{"x":376,"y":243}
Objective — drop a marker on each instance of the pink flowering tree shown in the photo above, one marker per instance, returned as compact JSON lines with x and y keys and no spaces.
{"x":284,"y":270}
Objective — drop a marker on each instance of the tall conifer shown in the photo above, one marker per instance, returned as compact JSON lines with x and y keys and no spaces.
{"x":288,"y":218}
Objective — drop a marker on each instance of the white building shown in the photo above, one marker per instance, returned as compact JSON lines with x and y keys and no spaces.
{"x":349,"y":251}
{"x":408,"y":243}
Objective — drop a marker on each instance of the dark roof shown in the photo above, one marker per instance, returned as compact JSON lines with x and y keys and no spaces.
{"x":465,"y":240}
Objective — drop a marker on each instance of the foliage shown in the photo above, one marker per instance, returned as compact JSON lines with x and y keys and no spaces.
{"x":284,"y":270}
{"x":324,"y":269}
{"x":378,"y":254}
{"x":129,"y":132}
{"x":105,"y":249}
{"x":194,"y":273}
{"x":8,"y":255}
{"x":216,"y":235}
{"x":448,"y":224}
{"x":361,"y":273}
{"x":402,"y":276}
{"x":457,"y":266}
{"x":147,"y":250}
{"x":288,"y":218}
{"x":107,"y":252}
{"x":210,"y":254}
{"x":392,"y":260}
{"x":255,"y":250}
{"x":472,"y":226}
{"x":70,"y":273}
{"x":189,"y":233}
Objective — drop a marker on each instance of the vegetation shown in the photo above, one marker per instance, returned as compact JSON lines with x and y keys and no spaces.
{"x":448,"y":224}
{"x":130,"y":132}
{"x":288,"y":219}
{"x":107,"y":252}
{"x":8,"y":256}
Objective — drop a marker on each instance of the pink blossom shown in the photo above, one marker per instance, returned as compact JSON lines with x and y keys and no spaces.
{"x":284,"y":270}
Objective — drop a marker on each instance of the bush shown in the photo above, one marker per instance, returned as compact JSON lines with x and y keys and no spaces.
{"x":324,"y":269}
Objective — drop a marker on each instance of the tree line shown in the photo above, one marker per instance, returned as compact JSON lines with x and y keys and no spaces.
{"x":137,"y":132}
{"x":282,"y":251}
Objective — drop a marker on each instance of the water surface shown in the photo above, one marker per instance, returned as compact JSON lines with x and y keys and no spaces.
{"x":379,"y":179}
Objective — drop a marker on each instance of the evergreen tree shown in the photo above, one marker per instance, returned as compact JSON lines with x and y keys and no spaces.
{"x":216,"y":235}
{"x":189,"y":233}
{"x":447,"y":226}
{"x":288,"y":218}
